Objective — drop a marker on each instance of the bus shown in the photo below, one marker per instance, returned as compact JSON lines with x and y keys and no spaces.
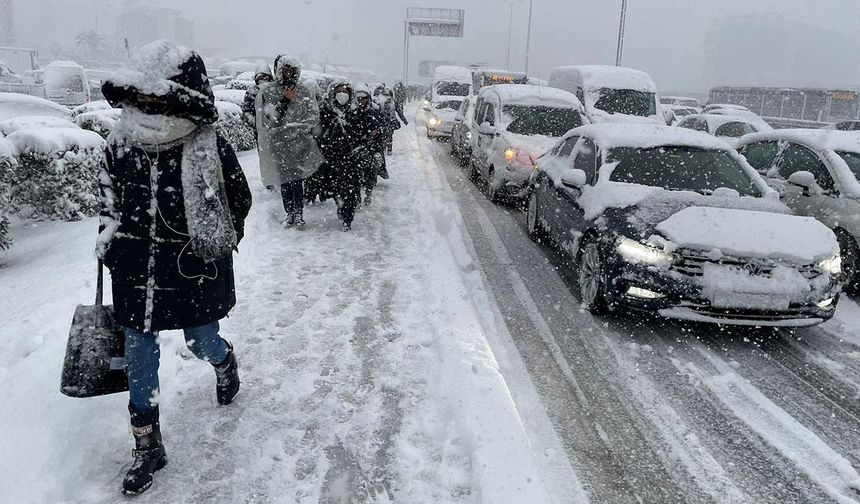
{"x":793,"y":107}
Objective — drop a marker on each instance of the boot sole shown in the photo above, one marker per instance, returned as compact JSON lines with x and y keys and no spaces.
{"x":158,"y":467}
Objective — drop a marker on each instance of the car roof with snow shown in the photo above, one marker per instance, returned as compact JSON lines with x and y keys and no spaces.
{"x":15,"y":104}
{"x":612,"y":77}
{"x":817,"y":139}
{"x":527,"y":94}
{"x":456,"y":73}
{"x":717,"y":120}
{"x":646,"y":136}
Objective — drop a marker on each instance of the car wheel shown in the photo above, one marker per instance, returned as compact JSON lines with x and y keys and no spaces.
{"x":454,"y":148}
{"x":850,"y":262}
{"x":492,"y":190}
{"x":535,"y":229}
{"x":474,"y":174}
{"x":591,"y":274}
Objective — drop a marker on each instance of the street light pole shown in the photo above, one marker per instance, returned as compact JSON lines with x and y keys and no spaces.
{"x":406,"y":49}
{"x":529,"y":35}
{"x":620,"y":51}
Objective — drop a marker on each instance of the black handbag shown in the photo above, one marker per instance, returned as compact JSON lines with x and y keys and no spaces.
{"x":95,"y":354}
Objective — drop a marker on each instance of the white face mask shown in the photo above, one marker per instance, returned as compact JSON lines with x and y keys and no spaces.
{"x":342,"y":98}
{"x":153,"y":129}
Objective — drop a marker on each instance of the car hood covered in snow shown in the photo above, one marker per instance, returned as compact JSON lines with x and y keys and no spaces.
{"x":750,"y":233}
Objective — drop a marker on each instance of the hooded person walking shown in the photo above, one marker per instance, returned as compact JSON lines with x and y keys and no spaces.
{"x":249,"y":104}
{"x":174,"y":201}
{"x":287,"y":114}
{"x":338,"y":141}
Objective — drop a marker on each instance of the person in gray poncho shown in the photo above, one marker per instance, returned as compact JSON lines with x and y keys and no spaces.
{"x":287,"y":114}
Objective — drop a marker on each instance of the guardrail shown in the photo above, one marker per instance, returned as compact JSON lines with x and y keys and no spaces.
{"x":27,"y":89}
{"x":784,"y":123}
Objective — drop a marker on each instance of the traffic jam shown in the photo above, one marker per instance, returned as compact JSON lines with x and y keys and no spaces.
{"x":699,"y":213}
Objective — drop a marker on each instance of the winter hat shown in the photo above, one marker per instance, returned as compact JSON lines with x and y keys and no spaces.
{"x":361,"y":89}
{"x":175,"y":74}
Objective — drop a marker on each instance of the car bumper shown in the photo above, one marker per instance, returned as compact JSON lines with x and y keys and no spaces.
{"x":443,"y":129}
{"x":682,"y":298}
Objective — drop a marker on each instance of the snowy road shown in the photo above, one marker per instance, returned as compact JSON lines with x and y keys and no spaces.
{"x":653,"y":411}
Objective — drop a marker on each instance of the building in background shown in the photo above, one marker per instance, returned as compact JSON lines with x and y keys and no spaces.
{"x":757,"y":51}
{"x":142,"y":23}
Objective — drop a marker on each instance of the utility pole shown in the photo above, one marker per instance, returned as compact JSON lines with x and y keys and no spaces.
{"x":620,"y":52}
{"x":529,"y":35}
{"x":510,"y":28}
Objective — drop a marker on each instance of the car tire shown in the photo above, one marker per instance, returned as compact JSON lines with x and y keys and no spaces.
{"x":535,"y":229}
{"x":591,"y":278}
{"x":850,"y":253}
{"x":492,"y":190}
{"x":474,"y":174}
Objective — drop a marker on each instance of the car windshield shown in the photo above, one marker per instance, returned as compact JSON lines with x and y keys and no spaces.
{"x":539,"y":120}
{"x":452,"y":89}
{"x":852,"y":159}
{"x":681,"y":169}
{"x":734,"y":130}
{"x":627,"y":101}
{"x":450,"y":104}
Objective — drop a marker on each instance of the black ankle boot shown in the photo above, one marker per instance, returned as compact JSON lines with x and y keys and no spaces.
{"x":149,"y":455}
{"x":227,"y":378}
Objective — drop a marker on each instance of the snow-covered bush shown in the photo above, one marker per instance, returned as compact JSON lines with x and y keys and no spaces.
{"x":57,"y":173}
{"x":7,"y":167}
{"x":233,"y":127}
{"x":9,"y":126}
{"x":236,"y":96}
{"x":99,"y":121}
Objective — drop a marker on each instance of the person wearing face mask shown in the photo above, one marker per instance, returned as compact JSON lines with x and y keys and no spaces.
{"x":287,"y":117}
{"x":249,"y":108}
{"x":338,"y":142}
{"x":174,"y":201}
{"x":367,"y":126}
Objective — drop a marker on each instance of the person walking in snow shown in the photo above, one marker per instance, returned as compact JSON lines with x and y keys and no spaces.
{"x":384,"y":98}
{"x":287,"y":115}
{"x":337,"y":140}
{"x":367,"y":126}
{"x":174,"y":201}
{"x":249,"y":104}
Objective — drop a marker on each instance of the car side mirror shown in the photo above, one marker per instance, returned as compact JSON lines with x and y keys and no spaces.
{"x":458,"y":119}
{"x":806,"y":181}
{"x":574,"y":178}
{"x":487,"y":129}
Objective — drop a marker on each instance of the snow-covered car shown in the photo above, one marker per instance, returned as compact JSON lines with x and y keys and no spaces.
{"x":750,"y":117}
{"x":728,"y":128}
{"x":9,"y":126}
{"x":91,"y":107}
{"x":464,"y":129}
{"x":723,"y":106}
{"x":816,"y":172}
{"x":845,"y":126}
{"x":66,"y":83}
{"x":673,"y":114}
{"x":236,"y":96}
{"x":7,"y":75}
{"x":516,"y":124}
{"x":442,"y":114}
{"x":646,"y":232}
{"x":13,"y":105}
{"x":681,"y":101}
{"x":611,"y":93}
{"x":450,"y":82}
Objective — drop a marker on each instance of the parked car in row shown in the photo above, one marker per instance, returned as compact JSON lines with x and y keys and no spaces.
{"x":845,"y":126}
{"x":66,"y":83}
{"x":611,"y":93}
{"x":440,"y":124}
{"x":675,"y":222}
{"x":516,"y":124}
{"x":728,"y":128}
{"x":816,"y":172}
{"x":464,"y":129}
{"x":681,"y":101}
{"x":673,"y":114}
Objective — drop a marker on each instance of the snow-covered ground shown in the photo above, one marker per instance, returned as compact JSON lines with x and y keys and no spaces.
{"x":367,"y":372}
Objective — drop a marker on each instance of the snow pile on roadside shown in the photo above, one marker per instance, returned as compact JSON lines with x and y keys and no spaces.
{"x":50,"y":141}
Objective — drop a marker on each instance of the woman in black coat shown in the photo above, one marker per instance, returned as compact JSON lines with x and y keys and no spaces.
{"x":174,"y":204}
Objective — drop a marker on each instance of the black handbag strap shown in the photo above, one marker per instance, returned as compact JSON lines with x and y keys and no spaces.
{"x":100,"y":285}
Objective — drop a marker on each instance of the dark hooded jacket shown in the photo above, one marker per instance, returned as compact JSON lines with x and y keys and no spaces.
{"x":158,"y":282}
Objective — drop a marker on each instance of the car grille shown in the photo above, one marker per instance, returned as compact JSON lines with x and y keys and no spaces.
{"x":792,"y":313}
{"x":690,"y":263}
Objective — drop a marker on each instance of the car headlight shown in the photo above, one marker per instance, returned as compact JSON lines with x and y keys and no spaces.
{"x":510,"y":154}
{"x":433,"y":122}
{"x":832,"y":265}
{"x":639,"y":253}
{"x":468,"y":135}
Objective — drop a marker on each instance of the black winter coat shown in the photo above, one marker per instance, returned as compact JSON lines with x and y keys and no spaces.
{"x":145,"y":261}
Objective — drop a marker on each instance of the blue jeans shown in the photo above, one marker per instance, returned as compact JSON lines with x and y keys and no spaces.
{"x":142,"y":354}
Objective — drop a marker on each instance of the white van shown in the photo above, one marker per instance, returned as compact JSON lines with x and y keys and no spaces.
{"x":453,"y":82}
{"x":611,"y":93}
{"x":66,"y":83}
